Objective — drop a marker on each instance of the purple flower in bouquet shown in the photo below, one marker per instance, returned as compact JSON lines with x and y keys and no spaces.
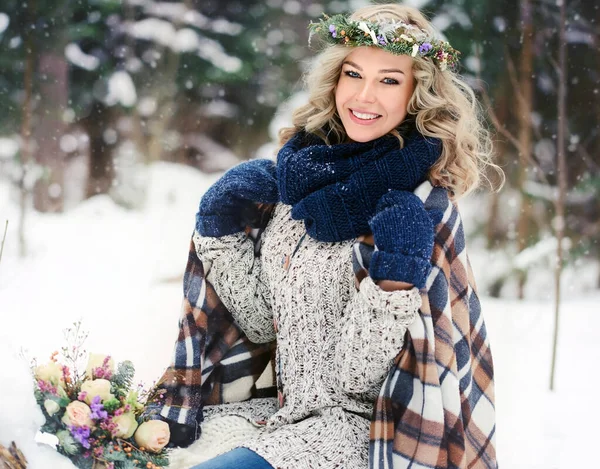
{"x":332,"y":30}
{"x":98,"y":411}
{"x":81,"y":434}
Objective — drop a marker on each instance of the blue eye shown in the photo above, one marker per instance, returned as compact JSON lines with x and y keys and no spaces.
{"x":390,"y":81}
{"x":352,"y":74}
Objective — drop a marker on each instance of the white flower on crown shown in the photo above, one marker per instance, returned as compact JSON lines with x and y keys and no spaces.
{"x":363,"y":27}
{"x":406,"y":38}
{"x":415,"y":49}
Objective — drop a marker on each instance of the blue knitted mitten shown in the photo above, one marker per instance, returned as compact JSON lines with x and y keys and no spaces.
{"x":403,"y":234}
{"x":231,"y":203}
{"x":342,"y":210}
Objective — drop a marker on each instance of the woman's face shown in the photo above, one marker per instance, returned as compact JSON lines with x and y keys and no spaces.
{"x":373,"y":91}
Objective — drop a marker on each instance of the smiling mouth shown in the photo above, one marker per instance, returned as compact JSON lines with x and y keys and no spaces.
{"x":363,"y":116}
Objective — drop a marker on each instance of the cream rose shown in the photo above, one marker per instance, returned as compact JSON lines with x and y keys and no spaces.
{"x":126,"y":425}
{"x":153,"y":435}
{"x":51,"y":407}
{"x":96,"y":387}
{"x":96,"y":360}
{"x":78,"y":414}
{"x":51,"y":372}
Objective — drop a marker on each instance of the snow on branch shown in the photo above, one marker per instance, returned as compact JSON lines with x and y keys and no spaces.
{"x":4,"y":22}
{"x":180,"y":13}
{"x":550,"y":193}
{"x":184,"y":40}
{"x":543,"y":249}
{"x":80,"y":59}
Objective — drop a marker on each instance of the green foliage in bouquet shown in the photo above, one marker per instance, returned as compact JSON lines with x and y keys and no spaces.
{"x":98,"y":414}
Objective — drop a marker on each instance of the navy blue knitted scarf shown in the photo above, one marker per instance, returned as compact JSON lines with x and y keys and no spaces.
{"x":335,"y":188}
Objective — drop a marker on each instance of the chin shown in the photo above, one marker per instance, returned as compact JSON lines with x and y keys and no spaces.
{"x":363,"y":137}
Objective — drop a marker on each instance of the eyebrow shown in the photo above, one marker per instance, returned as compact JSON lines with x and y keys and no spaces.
{"x":385,"y":70}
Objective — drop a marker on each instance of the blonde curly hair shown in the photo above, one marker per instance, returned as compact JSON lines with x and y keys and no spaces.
{"x":442,"y":106}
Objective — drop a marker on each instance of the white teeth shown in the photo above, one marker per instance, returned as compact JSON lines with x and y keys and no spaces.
{"x":361,"y":115}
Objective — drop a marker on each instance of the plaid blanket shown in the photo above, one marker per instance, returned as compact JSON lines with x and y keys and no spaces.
{"x":436,"y":406}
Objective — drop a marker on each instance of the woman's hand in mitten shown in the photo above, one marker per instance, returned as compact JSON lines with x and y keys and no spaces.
{"x":235,"y":200}
{"x":403,"y":234}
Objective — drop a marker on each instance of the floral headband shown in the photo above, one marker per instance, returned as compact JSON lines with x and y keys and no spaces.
{"x":393,"y":36}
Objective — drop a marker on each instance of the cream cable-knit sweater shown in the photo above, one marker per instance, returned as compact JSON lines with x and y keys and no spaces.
{"x":335,"y":344}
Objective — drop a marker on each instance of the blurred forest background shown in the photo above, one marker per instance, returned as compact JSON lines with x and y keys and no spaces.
{"x":94,"y":91}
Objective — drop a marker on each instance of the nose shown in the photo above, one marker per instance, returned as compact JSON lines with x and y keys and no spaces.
{"x":366,"y":93}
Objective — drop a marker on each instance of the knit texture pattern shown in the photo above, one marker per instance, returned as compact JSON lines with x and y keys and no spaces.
{"x":219,"y":435}
{"x":335,"y":344}
{"x":342,"y":184}
{"x":224,"y":428}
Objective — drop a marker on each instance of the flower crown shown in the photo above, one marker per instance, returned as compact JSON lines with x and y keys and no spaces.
{"x":393,"y":36}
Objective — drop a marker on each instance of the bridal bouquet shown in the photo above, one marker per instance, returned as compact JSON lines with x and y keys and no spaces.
{"x":97,"y":414}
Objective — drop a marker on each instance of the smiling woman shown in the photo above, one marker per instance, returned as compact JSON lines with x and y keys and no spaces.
{"x":373,"y":92}
{"x":346,"y":257}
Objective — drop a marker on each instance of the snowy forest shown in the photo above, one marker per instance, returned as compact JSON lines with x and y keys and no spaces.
{"x":119,"y":114}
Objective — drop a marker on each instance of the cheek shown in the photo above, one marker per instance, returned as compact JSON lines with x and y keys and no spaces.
{"x":396,"y":110}
{"x":397,"y":107}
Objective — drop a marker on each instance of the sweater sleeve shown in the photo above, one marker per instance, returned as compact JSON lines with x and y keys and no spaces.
{"x":235,"y":272}
{"x":373,"y":334}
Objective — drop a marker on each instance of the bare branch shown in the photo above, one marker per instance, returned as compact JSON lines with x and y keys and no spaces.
{"x":561,"y":170}
{"x":503,"y":130}
{"x":585,"y":155}
{"x":490,"y":108}
{"x":3,"y":239}
{"x":496,"y":122}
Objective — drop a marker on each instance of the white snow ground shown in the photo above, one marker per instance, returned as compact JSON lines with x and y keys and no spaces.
{"x":120,"y":272}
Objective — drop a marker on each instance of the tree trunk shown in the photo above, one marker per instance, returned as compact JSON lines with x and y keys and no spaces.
{"x":524,"y":106}
{"x":559,"y":221}
{"x":50,"y":127}
{"x":101,"y":167}
{"x":26,"y":144}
